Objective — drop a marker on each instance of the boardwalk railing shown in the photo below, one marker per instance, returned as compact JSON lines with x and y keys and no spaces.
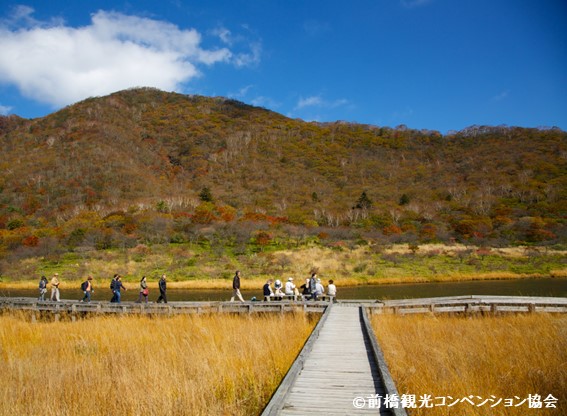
{"x":74,"y":308}
{"x":277,"y":401}
{"x":387,"y":380}
{"x":470,"y":304}
{"x":455,"y":304}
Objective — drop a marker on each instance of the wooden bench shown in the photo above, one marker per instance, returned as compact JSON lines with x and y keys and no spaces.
{"x":296,"y":297}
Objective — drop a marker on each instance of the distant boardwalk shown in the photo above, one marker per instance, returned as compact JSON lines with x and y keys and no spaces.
{"x":74,"y":309}
{"x":454,"y":304}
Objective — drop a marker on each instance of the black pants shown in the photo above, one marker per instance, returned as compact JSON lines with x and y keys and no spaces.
{"x":162,"y":297}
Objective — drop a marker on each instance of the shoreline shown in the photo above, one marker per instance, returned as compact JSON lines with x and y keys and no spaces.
{"x":255,"y":282}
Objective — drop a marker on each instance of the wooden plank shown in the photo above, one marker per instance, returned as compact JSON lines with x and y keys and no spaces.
{"x":337,"y":370}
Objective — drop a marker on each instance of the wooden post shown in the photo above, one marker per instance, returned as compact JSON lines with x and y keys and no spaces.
{"x":531,"y":308}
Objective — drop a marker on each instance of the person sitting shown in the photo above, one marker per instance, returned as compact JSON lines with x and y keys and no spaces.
{"x":268,"y":292}
{"x":332,"y":289}
{"x":278,"y":292}
{"x":305,"y":292}
{"x":290,"y":289}
{"x":319,"y":288}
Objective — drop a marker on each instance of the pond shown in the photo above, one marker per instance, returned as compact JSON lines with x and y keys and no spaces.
{"x":517,"y":287}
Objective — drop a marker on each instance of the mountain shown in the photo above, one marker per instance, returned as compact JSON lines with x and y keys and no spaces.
{"x":144,"y":155}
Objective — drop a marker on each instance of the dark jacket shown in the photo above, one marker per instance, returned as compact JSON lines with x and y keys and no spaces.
{"x":267,"y":291}
{"x":236,"y":282}
{"x":162,"y":285}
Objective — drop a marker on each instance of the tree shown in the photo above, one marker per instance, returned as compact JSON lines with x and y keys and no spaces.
{"x":363,"y":202}
{"x":205,"y":195}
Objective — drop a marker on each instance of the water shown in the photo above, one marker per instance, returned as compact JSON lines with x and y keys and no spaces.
{"x":516,"y":287}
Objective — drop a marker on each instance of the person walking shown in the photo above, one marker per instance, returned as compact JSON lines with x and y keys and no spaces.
{"x":144,"y":291}
{"x":236,"y":287}
{"x":55,"y":295}
{"x":112,"y":285}
{"x":88,"y":289}
{"x":162,"y":289}
{"x":42,"y":288}
{"x":117,"y":286}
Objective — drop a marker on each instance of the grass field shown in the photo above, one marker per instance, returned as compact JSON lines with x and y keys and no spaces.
{"x":192,"y":267}
{"x":501,"y":356}
{"x":183,"y":365}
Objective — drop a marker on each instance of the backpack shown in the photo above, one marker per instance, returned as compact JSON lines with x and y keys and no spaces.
{"x":42,"y":284}
{"x":112,"y":282}
{"x":84,"y":285}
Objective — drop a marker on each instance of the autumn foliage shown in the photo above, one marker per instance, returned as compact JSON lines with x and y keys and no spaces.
{"x":143,"y":166}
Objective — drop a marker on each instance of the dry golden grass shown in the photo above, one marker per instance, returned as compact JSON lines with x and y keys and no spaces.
{"x":503,"y":356}
{"x":183,"y":365}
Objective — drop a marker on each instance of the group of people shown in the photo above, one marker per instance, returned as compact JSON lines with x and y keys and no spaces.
{"x":55,"y":295}
{"x":312,"y":289}
{"x":116,"y":286}
{"x":143,"y":290}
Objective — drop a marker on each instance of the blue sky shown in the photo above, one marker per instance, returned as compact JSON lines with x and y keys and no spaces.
{"x":428,"y":64}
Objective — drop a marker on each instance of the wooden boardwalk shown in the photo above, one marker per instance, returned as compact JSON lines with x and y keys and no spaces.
{"x":471,"y":304}
{"x":453,"y":304}
{"x":340,"y":362}
{"x":338,"y":365}
{"x":74,"y":309}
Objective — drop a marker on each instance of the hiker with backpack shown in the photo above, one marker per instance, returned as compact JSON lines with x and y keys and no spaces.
{"x":42,"y":288}
{"x":162,"y":288}
{"x":117,"y":286}
{"x":87,"y":288}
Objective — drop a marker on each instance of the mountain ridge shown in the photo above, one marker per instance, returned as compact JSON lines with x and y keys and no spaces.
{"x":158,"y":151}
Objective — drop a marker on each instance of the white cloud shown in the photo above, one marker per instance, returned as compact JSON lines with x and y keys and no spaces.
{"x":318,"y":101}
{"x":4,"y":110}
{"x":59,"y":65}
{"x":224,"y":35}
{"x":251,"y":58}
{"x":309,"y":102}
{"x":241,"y":93}
{"x":265,"y":102}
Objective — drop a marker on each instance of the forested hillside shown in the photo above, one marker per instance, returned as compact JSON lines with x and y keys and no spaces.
{"x":145,"y":166}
